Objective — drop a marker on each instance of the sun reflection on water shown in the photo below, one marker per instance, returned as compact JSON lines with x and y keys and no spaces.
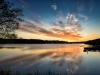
{"x":65,"y":57}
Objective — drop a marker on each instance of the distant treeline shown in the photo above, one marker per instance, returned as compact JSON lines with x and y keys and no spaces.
{"x":93,"y":42}
{"x":30,"y":41}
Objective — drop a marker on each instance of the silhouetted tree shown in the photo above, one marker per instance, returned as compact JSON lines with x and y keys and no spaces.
{"x":95,"y":42}
{"x":9,"y":19}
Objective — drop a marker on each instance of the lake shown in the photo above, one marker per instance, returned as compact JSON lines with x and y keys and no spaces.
{"x":59,"y":58}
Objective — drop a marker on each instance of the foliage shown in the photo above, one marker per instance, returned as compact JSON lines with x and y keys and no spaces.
{"x":30,"y":41}
{"x":93,"y":42}
{"x":5,"y":71}
{"x":9,"y":19}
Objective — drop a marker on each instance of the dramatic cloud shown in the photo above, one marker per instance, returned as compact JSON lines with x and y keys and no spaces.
{"x":69,"y":28}
{"x":83,"y":16}
{"x":32,"y":28}
{"x":54,"y":7}
{"x":70,"y":22}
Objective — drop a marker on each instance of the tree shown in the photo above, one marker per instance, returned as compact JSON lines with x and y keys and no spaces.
{"x":9,"y":19}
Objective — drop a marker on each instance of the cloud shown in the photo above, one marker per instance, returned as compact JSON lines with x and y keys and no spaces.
{"x":36,"y":20}
{"x":23,"y":3}
{"x":80,"y":5}
{"x":91,"y":8}
{"x":80,"y":8}
{"x":70,"y":22}
{"x":35,"y":29}
{"x":91,"y":5}
{"x":54,"y":7}
{"x":83,"y":16}
{"x":69,"y":28}
{"x":66,"y":34}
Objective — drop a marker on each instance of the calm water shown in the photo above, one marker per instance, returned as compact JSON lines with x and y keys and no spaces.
{"x":60,"y":58}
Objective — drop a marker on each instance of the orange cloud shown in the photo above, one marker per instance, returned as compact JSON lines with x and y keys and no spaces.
{"x":69,"y":30}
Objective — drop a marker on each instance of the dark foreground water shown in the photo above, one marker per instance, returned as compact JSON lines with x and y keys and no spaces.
{"x":59,"y":58}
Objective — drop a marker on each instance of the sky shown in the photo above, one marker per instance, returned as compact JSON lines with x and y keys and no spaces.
{"x":68,"y":20}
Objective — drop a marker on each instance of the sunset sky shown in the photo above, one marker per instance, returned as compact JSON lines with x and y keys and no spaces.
{"x":69,"y":20}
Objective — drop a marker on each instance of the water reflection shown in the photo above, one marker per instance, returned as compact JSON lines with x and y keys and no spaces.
{"x":94,"y":48}
{"x":10,"y":47}
{"x":59,"y":58}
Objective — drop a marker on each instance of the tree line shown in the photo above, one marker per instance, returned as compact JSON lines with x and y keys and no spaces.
{"x":30,"y":41}
{"x":93,"y":42}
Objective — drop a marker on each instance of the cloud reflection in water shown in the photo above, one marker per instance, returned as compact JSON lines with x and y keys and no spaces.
{"x":66,"y":58}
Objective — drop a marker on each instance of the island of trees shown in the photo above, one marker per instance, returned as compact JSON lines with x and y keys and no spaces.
{"x":95,"y":42}
{"x":94,"y":45}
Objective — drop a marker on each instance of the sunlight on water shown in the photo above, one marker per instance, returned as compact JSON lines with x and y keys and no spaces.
{"x":60,"y":58}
